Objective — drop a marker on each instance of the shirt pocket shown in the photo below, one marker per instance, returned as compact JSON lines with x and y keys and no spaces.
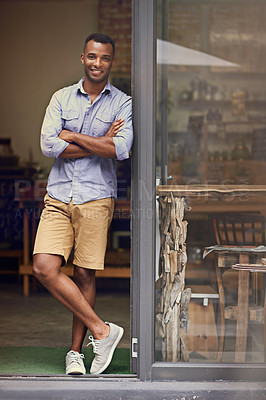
{"x":102,"y":123}
{"x":71,"y":120}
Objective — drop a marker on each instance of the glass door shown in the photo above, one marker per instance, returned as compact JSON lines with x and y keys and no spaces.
{"x":210,"y":163}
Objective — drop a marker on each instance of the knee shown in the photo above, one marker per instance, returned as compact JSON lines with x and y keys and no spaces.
{"x":43,"y":269}
{"x":38,"y":268}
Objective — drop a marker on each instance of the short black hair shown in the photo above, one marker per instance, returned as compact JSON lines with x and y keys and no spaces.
{"x":100,"y":38}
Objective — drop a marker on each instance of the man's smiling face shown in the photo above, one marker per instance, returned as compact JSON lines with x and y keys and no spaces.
{"x":97,"y":59}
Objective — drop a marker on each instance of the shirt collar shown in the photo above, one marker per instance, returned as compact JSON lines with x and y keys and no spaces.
{"x":80,"y":87}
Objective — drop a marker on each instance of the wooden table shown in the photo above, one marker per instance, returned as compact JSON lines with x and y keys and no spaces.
{"x":256,"y":268}
{"x":172,"y":308}
{"x":242,"y":318}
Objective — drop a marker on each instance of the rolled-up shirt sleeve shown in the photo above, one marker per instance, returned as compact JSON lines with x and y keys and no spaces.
{"x":124,"y":138}
{"x":51,"y":145}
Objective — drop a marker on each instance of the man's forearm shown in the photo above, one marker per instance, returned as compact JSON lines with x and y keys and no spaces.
{"x":74,"y":151}
{"x":102,"y":146}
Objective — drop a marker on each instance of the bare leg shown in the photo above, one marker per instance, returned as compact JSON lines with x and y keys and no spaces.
{"x":85,"y":280}
{"x":46,"y":268}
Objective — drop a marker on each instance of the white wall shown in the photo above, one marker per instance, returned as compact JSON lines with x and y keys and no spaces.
{"x":41,"y":43}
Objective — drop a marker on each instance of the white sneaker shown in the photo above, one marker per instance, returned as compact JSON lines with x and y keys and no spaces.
{"x":74,"y":363}
{"x":104,"y":349}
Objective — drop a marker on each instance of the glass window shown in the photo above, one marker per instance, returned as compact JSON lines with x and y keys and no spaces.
{"x":210,"y":163}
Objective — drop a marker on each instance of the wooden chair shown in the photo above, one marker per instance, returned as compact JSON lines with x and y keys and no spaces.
{"x":238,"y":236}
{"x":238,"y":229}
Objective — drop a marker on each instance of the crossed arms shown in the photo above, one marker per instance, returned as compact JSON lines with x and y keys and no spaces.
{"x":81,"y":145}
{"x":57,"y":142}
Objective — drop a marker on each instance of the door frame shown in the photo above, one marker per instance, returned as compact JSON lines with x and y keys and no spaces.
{"x":143,"y":183}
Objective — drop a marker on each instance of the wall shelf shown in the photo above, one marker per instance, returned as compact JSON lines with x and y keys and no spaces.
{"x":203,"y":104}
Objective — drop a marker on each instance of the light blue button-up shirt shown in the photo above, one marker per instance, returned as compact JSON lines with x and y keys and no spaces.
{"x":93,"y":177}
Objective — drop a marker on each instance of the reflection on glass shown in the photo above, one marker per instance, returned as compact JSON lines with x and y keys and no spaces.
{"x":211,"y":130}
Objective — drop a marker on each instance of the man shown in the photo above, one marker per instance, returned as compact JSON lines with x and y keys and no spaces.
{"x":86,"y":127}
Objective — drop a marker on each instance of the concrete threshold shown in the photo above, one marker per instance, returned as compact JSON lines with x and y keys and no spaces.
{"x":124,"y":388}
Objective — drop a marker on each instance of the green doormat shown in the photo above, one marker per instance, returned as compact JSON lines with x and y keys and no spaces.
{"x":51,"y":360}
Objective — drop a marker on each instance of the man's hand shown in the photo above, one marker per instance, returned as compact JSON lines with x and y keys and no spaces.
{"x":66,"y":135}
{"x":102,"y":146}
{"x":115,"y":127}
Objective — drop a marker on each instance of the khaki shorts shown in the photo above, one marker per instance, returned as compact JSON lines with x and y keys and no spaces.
{"x":83,"y":226}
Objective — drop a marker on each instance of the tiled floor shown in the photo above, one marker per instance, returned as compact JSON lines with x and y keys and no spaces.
{"x":40,"y":320}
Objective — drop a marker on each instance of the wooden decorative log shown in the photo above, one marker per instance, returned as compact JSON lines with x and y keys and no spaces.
{"x":173,"y":300}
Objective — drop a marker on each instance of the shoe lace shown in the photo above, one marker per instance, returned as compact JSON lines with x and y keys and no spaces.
{"x":94,"y":343}
{"x":76,"y":357}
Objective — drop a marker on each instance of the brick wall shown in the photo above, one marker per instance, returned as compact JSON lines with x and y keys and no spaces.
{"x":115,"y":21}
